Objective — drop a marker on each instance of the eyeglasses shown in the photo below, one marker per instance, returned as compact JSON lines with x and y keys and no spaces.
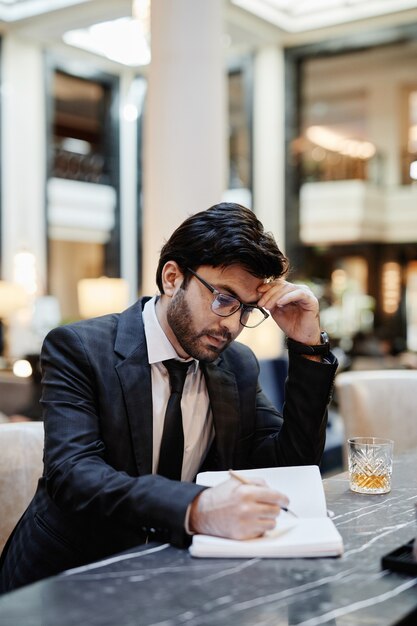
{"x":226,"y":305}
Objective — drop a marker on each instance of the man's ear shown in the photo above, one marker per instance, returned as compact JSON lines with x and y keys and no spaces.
{"x":172,"y":277}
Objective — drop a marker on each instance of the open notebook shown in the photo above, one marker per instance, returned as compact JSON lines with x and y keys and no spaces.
{"x":311,"y":534}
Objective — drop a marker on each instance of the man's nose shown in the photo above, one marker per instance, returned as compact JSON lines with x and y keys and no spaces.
{"x":232,"y":323}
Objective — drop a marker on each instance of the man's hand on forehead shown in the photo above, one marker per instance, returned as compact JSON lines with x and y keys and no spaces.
{"x":293,"y":307}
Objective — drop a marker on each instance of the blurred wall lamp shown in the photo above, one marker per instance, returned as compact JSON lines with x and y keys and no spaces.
{"x":99,"y":296}
{"x":12,"y":298}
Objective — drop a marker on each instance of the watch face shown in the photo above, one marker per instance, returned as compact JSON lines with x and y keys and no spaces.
{"x":324,"y":337}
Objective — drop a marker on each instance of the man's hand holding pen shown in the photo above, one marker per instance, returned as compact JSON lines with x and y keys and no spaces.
{"x":236,"y":509}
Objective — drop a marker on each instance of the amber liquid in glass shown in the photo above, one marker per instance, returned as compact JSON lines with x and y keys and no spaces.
{"x":373,"y":481}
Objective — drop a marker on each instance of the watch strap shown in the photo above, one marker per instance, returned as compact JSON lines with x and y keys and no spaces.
{"x":321,"y":349}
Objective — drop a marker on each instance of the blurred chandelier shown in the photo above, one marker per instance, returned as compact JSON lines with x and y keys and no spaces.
{"x":336,"y":142}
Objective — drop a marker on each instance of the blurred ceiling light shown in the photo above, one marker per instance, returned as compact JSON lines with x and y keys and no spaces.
{"x":100,"y":296}
{"x":330,"y":140}
{"x":300,"y":15}
{"x":22,"y":368}
{"x":125,"y":40}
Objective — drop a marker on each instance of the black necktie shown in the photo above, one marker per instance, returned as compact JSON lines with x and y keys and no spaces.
{"x":172,"y":444}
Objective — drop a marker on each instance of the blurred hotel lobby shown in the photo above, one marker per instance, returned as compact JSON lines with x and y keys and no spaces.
{"x":119,"y":119}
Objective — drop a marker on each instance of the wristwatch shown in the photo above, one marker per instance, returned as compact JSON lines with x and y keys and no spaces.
{"x":303,"y":348}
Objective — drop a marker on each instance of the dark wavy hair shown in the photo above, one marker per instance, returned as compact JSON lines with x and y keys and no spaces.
{"x":223,"y":235}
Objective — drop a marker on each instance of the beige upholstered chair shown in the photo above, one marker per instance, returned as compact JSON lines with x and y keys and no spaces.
{"x":379,"y":403}
{"x":21,"y":453}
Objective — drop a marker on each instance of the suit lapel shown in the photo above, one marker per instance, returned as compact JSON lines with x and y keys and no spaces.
{"x":134,"y":374}
{"x":224,"y":402}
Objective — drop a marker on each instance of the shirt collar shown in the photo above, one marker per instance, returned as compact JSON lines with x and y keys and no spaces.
{"x":159,"y":347}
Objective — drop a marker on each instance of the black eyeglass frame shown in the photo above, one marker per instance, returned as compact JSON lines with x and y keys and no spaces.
{"x":243,"y":308}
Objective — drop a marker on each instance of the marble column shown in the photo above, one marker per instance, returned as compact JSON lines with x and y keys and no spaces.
{"x":24,"y":155}
{"x":185,"y":121}
{"x":268,"y":175}
{"x":269,"y":140}
{"x":132,"y":90}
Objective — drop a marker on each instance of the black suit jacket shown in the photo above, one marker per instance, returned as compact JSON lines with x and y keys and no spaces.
{"x":97,"y":495}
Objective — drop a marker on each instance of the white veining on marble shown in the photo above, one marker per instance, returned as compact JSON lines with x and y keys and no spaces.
{"x":143,"y":573}
{"x":236,"y":607}
{"x":114,"y":559}
{"x":388,"y":531}
{"x":368,"y":509}
{"x":356,"y":606}
{"x":192,"y":616}
{"x":230,"y":571}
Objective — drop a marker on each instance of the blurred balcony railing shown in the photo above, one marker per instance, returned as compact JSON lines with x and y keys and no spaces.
{"x":88,"y":168}
{"x":348,"y":211}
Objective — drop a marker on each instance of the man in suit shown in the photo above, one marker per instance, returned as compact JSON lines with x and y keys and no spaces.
{"x":108,"y":475}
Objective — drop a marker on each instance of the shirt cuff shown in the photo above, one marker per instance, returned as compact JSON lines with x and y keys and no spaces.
{"x":187,"y":521}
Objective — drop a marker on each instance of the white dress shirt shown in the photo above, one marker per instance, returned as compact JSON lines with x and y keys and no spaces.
{"x":195,"y":406}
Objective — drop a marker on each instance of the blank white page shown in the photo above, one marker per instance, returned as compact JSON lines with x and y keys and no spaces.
{"x":301,"y":484}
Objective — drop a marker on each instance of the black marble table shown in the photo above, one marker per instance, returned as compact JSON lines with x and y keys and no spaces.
{"x":158,"y":585}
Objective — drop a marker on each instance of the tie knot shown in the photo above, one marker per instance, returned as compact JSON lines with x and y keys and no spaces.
{"x":177,"y":371}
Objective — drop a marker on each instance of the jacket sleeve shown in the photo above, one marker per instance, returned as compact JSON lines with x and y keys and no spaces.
{"x":78,"y":477}
{"x":296,"y":437}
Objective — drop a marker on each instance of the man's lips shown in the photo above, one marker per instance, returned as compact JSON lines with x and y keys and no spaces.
{"x":218,"y":342}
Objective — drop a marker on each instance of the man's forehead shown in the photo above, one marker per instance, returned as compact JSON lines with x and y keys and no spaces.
{"x":235,"y":278}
